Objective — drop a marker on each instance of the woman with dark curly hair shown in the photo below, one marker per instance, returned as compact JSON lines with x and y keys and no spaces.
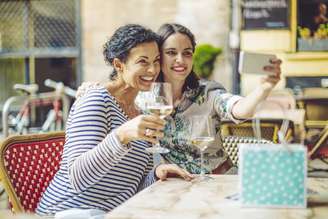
{"x":104,"y":161}
{"x":192,"y":96}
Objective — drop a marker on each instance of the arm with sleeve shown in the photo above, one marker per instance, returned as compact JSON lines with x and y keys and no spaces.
{"x":92,"y":152}
{"x":223,"y":104}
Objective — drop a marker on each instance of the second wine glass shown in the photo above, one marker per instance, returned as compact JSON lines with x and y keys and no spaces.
{"x":202,"y":135}
{"x":160,"y":102}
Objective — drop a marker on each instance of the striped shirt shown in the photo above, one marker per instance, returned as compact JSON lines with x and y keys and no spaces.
{"x":96,"y":170}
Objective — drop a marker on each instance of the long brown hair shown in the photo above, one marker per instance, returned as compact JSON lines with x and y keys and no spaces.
{"x":164,"y":32}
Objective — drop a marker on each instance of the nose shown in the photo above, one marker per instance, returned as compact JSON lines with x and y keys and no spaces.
{"x":179,"y":58}
{"x":153,"y":69}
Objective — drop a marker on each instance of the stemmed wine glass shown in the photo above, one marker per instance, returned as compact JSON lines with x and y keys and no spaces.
{"x":159,"y":101}
{"x":202,"y":135}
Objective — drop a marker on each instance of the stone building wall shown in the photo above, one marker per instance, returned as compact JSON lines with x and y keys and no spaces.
{"x":208,"y":19}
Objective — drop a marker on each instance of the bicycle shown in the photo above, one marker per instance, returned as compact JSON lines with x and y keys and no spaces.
{"x":55,"y":120}
{"x":23,"y":121}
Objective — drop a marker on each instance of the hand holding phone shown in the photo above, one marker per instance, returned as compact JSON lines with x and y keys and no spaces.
{"x":253,"y":63}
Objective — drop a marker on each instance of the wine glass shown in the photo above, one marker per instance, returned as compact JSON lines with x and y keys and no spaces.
{"x":202,"y":135}
{"x":160,"y":102}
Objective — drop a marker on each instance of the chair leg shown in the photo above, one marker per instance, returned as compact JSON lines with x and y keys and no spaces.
{"x":319,"y":143}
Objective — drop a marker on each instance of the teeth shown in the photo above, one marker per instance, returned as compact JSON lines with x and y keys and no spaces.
{"x":179,"y":68}
{"x":147,"y":78}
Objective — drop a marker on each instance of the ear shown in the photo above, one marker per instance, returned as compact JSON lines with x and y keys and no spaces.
{"x":118,"y":65}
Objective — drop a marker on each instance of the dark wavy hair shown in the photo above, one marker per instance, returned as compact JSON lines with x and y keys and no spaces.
{"x":123,"y":40}
{"x":164,"y":32}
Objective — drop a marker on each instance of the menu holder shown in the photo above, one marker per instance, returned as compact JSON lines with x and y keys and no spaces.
{"x":265,"y":14}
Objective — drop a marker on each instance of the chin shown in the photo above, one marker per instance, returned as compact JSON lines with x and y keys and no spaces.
{"x":180,"y":76}
{"x":144,"y":87}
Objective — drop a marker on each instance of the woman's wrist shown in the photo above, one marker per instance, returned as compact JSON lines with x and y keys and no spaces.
{"x":155,"y":171}
{"x":266,"y":87}
{"x":120,"y":135}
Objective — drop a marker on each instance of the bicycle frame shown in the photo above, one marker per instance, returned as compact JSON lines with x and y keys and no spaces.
{"x":54,"y":121}
{"x":29,"y":100}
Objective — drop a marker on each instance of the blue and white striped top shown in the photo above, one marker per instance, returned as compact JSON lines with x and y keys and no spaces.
{"x":97,"y":171}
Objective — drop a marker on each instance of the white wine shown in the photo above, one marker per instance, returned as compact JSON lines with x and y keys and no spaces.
{"x":161,"y":110}
{"x":202,"y":142}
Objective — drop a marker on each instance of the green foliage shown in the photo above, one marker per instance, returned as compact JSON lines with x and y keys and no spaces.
{"x":204,"y":59}
{"x":12,"y":71}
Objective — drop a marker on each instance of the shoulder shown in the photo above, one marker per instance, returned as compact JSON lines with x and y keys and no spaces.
{"x":205,"y":91}
{"x":209,"y":85}
{"x":96,"y":96}
{"x":211,"y":88}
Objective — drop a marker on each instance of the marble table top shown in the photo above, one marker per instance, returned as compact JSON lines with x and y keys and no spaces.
{"x":176,"y":198}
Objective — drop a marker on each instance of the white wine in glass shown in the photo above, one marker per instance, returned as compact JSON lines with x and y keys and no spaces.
{"x":159,"y":102}
{"x":202,"y":134}
{"x":202,"y":142}
{"x":161,"y":110}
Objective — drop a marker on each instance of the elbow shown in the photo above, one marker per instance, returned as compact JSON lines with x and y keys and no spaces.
{"x":241,"y":111}
{"x":74,"y":180}
{"x":248,"y":115}
{"x":240,"y":115}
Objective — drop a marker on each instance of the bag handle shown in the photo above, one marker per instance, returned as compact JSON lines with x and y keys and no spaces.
{"x":283,"y":128}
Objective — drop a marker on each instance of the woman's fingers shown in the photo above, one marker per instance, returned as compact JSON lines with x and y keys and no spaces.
{"x":162,"y":175}
{"x":143,"y":127}
{"x":150,"y":139}
{"x":186,"y":175}
{"x":273,"y":79}
{"x":274,"y":68}
{"x":150,"y":134}
{"x":154,"y":133}
{"x":152,"y":126}
{"x":154,"y":119}
{"x":166,"y":170}
{"x":270,"y":80}
{"x":276,"y":61}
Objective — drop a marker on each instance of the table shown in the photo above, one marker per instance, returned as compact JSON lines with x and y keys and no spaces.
{"x":180,"y":199}
{"x":7,"y":214}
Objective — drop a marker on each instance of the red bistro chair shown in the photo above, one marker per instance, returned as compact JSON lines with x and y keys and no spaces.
{"x":27,"y":165}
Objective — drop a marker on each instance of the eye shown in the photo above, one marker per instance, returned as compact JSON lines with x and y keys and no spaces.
{"x":157,"y":60}
{"x":188,"y":53}
{"x":170,"y":53}
{"x":143,"y":62}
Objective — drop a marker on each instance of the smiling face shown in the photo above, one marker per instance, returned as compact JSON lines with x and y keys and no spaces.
{"x":177,"y":52}
{"x":141,"y":67}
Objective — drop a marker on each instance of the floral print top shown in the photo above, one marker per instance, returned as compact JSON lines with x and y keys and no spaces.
{"x":209,"y":99}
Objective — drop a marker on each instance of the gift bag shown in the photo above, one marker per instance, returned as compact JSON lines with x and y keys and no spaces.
{"x":272,"y":175}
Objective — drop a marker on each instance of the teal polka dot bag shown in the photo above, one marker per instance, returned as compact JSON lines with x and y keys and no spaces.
{"x":272,"y":175}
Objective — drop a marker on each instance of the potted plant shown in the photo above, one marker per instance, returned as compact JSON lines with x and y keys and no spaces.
{"x":204,"y":59}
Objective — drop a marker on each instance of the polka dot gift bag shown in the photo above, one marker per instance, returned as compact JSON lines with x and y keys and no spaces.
{"x":272,"y":175}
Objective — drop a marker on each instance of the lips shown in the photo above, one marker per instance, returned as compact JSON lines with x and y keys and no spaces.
{"x":147,"y":78}
{"x":179,"y":69}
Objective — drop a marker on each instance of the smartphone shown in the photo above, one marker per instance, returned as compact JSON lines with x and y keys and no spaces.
{"x":253,"y":63}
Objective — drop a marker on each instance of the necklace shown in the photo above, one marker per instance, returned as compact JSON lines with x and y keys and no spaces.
{"x":130,"y":110}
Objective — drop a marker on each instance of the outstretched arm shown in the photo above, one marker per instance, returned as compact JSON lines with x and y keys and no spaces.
{"x":246,"y":106}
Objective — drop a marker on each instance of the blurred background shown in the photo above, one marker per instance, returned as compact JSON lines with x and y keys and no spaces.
{"x":62,"y":40}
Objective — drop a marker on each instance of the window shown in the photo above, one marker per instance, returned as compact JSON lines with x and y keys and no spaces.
{"x":312,"y":25}
{"x":34,"y":36}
